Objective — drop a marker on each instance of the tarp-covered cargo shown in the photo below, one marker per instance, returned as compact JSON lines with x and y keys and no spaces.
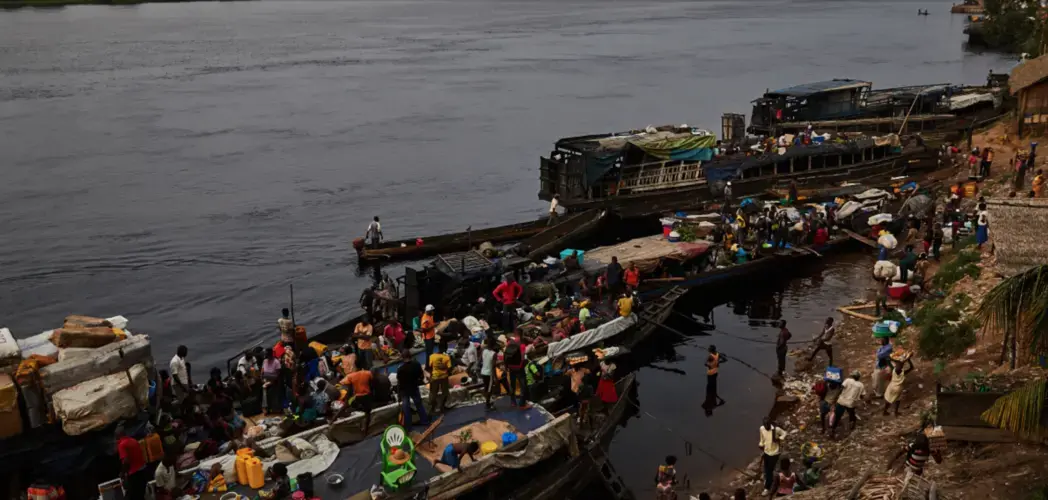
{"x":78,"y":336}
{"x":38,"y":344}
{"x":10,"y":353}
{"x":97,"y":403}
{"x":591,"y":337}
{"x":77,"y":320}
{"x":105,"y":360}
{"x":645,"y":252}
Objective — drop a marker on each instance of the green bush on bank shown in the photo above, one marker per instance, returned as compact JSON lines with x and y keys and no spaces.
{"x":965,"y":264}
{"x":942,"y":332}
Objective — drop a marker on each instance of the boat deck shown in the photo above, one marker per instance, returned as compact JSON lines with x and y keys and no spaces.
{"x":360,"y":463}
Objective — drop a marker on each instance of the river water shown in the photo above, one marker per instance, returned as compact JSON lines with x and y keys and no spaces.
{"x":182,"y":164}
{"x":672,"y":376}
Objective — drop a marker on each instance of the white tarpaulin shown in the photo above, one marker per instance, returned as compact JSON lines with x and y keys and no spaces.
{"x":588,"y":338}
{"x":874,"y":193}
{"x":327,"y":452}
{"x":38,"y":344}
{"x":97,"y":403}
{"x":10,"y":353}
{"x":967,"y":100}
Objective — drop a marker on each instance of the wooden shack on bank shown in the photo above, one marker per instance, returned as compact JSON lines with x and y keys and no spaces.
{"x":1029,"y":83}
{"x":1017,"y":226}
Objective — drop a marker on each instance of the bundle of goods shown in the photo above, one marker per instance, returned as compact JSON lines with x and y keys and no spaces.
{"x":936,"y":438}
{"x":885,"y":269}
{"x":900,"y":354}
{"x":78,"y":366}
{"x":833,"y":374}
{"x":10,"y":418}
{"x":885,"y":328}
{"x":10,"y":353}
{"x":97,"y":403}
{"x":887,"y":240}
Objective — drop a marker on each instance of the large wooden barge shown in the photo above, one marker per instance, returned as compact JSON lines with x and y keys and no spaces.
{"x":623,"y":171}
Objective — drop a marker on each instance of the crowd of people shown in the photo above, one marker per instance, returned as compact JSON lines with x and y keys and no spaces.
{"x":296,"y":384}
{"x":746,"y":230}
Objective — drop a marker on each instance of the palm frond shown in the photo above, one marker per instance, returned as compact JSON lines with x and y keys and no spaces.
{"x":1020,"y":303}
{"x":1020,"y":411}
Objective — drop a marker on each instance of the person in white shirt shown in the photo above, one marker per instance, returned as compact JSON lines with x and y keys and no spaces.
{"x":179,"y":372}
{"x":852,"y":391}
{"x":469,"y":358}
{"x":771,"y":439}
{"x":553,"y":204}
{"x":286,"y":327}
{"x":249,"y":361}
{"x":374,"y":233}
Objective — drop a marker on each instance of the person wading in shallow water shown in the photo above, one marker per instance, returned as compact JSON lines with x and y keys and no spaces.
{"x":822,"y":342}
{"x":781,"y":346}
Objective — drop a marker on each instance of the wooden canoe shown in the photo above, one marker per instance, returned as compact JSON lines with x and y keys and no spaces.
{"x":559,"y":237}
{"x":756,"y":267}
{"x":406,"y":249}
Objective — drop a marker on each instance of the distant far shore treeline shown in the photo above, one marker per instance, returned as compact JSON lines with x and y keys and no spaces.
{"x":17,"y":4}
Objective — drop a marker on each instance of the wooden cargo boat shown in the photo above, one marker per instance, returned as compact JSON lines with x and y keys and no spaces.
{"x":610,"y":171}
{"x":854,"y":106}
{"x":538,"y":235}
{"x":782,"y":260}
{"x":391,"y":250}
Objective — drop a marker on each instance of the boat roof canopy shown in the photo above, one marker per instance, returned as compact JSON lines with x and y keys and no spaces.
{"x":808,"y":89}
{"x":649,"y":138}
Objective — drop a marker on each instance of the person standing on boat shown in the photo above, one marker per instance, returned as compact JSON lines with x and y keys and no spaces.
{"x":516,"y":360}
{"x":180,"y":373}
{"x":727,"y":193}
{"x":428,"y":327}
{"x":439,"y":368}
{"x":613,"y":278}
{"x":553,"y":204}
{"x":632,"y":276}
{"x":792,"y":196}
{"x":286,"y":327}
{"x":133,"y":471}
{"x":508,"y":293}
{"x":373,"y":235}
{"x":409,"y":378}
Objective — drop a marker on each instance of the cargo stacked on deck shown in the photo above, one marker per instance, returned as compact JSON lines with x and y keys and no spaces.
{"x":85,"y":375}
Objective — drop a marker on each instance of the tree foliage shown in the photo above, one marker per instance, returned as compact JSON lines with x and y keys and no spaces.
{"x":1013,"y":26}
{"x":1020,"y":304}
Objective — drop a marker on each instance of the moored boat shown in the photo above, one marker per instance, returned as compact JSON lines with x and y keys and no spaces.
{"x":427,"y":246}
{"x":615,"y":170}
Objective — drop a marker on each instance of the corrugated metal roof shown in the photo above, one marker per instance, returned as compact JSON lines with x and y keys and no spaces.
{"x":820,"y":87}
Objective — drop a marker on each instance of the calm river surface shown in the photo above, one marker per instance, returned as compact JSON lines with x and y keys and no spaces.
{"x":181,"y":164}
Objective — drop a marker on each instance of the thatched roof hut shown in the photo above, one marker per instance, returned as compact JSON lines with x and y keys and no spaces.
{"x":1028,"y":73}
{"x":1017,"y":230}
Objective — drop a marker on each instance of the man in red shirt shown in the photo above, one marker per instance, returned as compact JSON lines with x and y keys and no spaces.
{"x":507,"y":293}
{"x":132,"y":465}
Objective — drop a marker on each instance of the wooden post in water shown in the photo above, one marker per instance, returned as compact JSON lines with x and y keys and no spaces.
{"x":291,"y":286}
